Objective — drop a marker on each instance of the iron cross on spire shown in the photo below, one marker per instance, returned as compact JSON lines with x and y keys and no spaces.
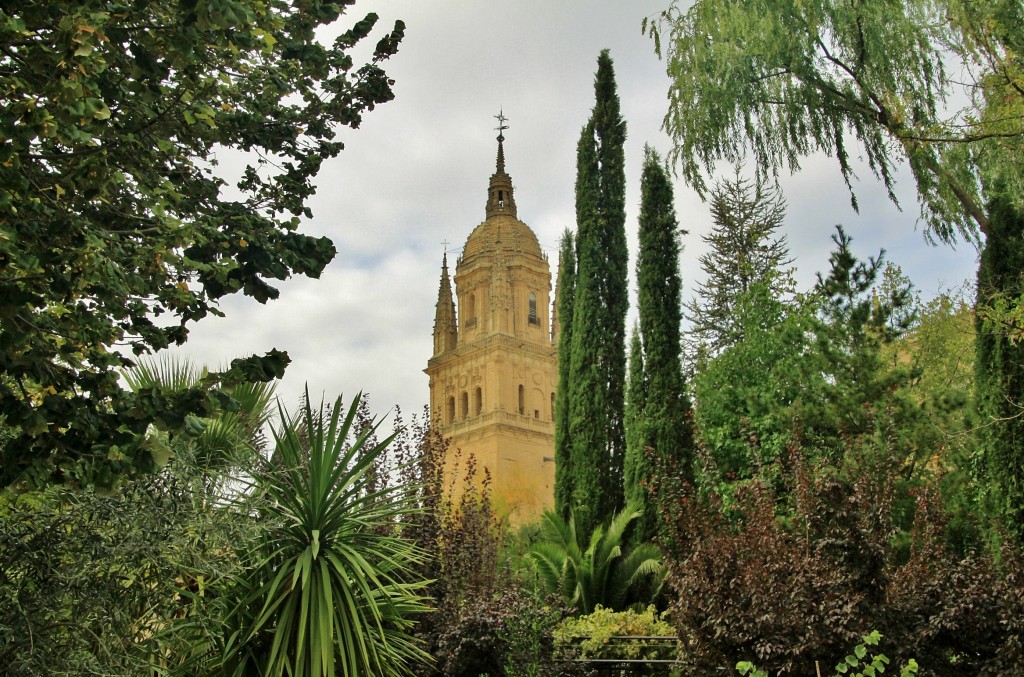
{"x":500,"y":117}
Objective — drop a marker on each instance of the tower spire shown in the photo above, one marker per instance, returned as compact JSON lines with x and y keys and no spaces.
{"x":446,"y":331}
{"x":499,"y":195}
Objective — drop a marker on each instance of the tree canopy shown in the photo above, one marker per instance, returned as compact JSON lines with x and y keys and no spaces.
{"x":116,"y":232}
{"x":936,"y":83}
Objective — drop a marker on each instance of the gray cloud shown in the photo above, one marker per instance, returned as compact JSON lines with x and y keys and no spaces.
{"x":415,"y":174}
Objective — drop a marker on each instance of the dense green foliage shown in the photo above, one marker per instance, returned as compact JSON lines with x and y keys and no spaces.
{"x":636,"y":464}
{"x":786,"y":79}
{"x":565,"y":295}
{"x":596,"y":568}
{"x":330,"y":588}
{"x":663,"y":416}
{"x":597,"y":370}
{"x":87,"y":580}
{"x":999,"y":368}
{"x":592,"y":636}
{"x":115,"y":232}
{"x":743,"y":250}
{"x":809,"y":370}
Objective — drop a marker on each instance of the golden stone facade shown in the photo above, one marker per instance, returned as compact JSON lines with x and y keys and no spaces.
{"x":494,"y":368}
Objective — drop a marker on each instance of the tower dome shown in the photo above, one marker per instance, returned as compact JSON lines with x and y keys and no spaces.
{"x":494,"y":370}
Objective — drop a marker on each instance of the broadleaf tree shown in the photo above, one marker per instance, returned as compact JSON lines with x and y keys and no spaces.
{"x":116,"y":232}
{"x":936,"y":84}
{"x":598,"y":355}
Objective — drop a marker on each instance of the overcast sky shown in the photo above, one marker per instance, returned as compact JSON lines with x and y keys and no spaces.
{"x":415,"y":175}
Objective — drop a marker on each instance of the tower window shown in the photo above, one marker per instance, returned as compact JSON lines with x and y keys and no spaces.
{"x":451,"y":410}
{"x":522,"y":400}
{"x":533,"y":309}
{"x":478,"y":404}
{"x":464,"y":405}
{"x":501,"y":198}
{"x":470,"y":312}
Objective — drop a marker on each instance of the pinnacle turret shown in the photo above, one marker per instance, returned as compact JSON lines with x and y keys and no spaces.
{"x":446,"y":331}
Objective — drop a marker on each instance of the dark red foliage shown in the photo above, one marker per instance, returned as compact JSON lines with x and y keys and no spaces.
{"x":790,"y":576}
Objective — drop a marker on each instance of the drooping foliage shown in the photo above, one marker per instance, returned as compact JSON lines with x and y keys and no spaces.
{"x":566,"y":293}
{"x":783,"y":80}
{"x":115,"y":231}
{"x":665,"y":417}
{"x":743,"y":250}
{"x":597,"y":369}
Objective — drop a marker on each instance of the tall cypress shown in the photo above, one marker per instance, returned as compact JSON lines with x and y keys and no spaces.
{"x":565,"y":290}
{"x":598,"y":355}
{"x":636,"y":397}
{"x":999,"y":366}
{"x":665,"y":422}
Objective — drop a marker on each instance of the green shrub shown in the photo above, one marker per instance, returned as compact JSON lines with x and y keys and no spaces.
{"x":591,"y":636}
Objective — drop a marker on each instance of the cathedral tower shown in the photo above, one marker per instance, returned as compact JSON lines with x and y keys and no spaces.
{"x":494,"y":368}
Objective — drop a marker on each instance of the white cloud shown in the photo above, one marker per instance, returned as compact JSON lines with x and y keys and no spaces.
{"x":415,"y":174}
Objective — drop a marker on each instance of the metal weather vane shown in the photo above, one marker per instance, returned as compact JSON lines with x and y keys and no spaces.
{"x":500,"y":117}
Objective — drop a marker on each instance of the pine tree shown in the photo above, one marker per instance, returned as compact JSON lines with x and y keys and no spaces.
{"x":999,"y":365}
{"x":565,"y":292}
{"x":743,"y":251}
{"x":665,"y":421}
{"x":598,"y":354}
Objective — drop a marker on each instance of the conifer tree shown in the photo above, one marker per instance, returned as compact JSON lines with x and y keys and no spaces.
{"x":999,"y":366}
{"x":636,"y":397}
{"x":598,"y":355}
{"x":664,"y":423}
{"x":565,"y":292}
{"x":743,"y":251}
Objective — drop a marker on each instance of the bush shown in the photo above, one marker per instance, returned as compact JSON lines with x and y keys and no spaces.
{"x":592,"y":636}
{"x":787,"y":579}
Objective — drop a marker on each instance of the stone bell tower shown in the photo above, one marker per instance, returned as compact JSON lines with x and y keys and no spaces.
{"x":494,"y":368}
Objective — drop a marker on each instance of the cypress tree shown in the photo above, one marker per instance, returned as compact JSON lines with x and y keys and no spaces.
{"x":665,"y":420}
{"x":565,"y":291}
{"x":999,"y":366}
{"x":636,"y":397}
{"x":598,"y":354}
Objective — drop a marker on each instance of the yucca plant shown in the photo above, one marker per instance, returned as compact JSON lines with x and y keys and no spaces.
{"x":600,"y":571}
{"x":332,"y":586}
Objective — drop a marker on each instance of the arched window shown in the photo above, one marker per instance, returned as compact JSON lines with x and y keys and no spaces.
{"x":470,"y":312}
{"x":552,"y":406}
{"x":533,"y":309}
{"x":522,"y":400}
{"x":478,"y":404}
{"x":451,"y":410}
{"x":464,"y":405}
